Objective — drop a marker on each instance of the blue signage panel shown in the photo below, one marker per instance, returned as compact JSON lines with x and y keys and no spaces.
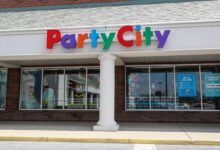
{"x":212,"y":84}
{"x":186,"y":83}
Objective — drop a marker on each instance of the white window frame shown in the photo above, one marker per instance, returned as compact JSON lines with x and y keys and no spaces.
{"x":174,"y":69}
{"x":64,"y":70}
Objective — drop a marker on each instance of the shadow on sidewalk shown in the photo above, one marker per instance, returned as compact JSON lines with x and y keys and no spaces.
{"x":124,"y":126}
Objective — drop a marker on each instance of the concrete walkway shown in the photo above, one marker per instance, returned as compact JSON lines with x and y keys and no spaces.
{"x":148,"y":133}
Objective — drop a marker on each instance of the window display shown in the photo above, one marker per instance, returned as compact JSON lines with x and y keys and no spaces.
{"x":137,"y":92}
{"x":3,"y":86}
{"x":93,"y":91}
{"x":53,"y":89}
{"x":172,"y":87}
{"x":75,"y":88}
{"x":60,"y":88}
{"x":179,"y":87}
{"x":31,"y":89}
{"x":186,"y":83}
{"x":162,"y":88}
{"x":188,"y":88}
{"x":211,"y":87}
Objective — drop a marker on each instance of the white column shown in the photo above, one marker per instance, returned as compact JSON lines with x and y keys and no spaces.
{"x":107,"y":94}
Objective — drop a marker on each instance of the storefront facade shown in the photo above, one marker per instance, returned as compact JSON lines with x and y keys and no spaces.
{"x":136,"y":73}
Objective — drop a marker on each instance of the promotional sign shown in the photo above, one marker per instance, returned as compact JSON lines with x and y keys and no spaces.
{"x":186,"y":83}
{"x":68,"y":41}
{"x":212,"y":84}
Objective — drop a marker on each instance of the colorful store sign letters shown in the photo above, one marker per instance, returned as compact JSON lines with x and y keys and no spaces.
{"x":68,"y":41}
{"x":186,"y":84}
{"x":212,"y":84}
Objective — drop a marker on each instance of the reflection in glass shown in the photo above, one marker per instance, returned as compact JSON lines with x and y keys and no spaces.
{"x":53,"y":89}
{"x":75,"y":88}
{"x":211,"y":87}
{"x":188,"y":87}
{"x":162,"y":88}
{"x":137,"y":88}
{"x":3,"y":86}
{"x":31,"y":89}
{"x":93,"y":91}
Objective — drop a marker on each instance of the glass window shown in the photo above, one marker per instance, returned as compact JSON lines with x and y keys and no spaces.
{"x":137,"y":88}
{"x":31,"y":89}
{"x":188,"y":88}
{"x":173,"y":88}
{"x":53,"y":89}
{"x":56,"y":88}
{"x":211,"y":87}
{"x":3,"y":87}
{"x":93,"y":91}
{"x":75,"y":88}
{"x":162,"y":88}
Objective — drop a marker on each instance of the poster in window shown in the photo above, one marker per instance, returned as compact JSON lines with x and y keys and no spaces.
{"x":186,"y":83}
{"x":212,"y":84}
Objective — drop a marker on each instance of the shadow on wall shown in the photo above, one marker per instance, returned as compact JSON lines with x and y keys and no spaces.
{"x":91,"y":5}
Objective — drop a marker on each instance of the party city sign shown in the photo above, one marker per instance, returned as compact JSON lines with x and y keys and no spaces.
{"x":71,"y":41}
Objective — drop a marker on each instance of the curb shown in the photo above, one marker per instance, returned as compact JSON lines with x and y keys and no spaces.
{"x":106,"y":140}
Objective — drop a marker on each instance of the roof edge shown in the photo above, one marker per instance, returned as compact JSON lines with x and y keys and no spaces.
{"x":114,"y":26}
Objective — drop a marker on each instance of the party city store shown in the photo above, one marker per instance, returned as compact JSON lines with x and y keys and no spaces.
{"x":137,"y":73}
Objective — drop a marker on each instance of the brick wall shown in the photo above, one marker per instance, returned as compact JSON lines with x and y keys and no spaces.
{"x":169,"y":116}
{"x":33,"y":3}
{"x":13,"y":87}
{"x":12,"y":107}
{"x":119,"y":89}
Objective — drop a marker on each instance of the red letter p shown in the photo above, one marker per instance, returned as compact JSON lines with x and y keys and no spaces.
{"x":53,"y":36}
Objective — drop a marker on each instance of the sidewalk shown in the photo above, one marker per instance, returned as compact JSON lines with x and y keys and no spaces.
{"x":148,"y":133}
